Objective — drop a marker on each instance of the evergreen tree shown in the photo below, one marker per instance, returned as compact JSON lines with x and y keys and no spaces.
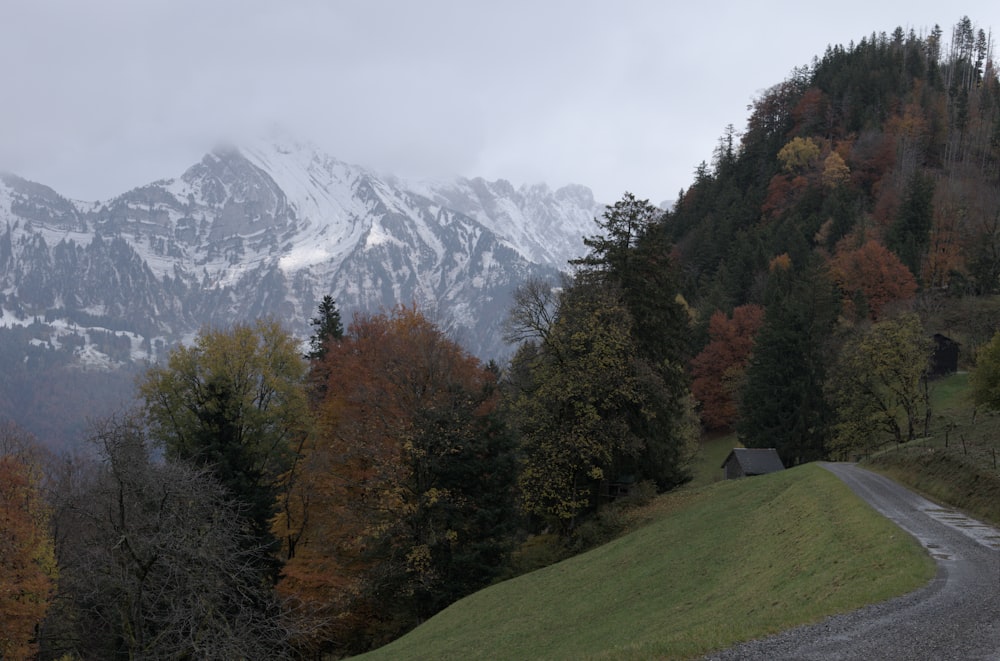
{"x":570,"y":402}
{"x":592,"y":410}
{"x":631,"y":260}
{"x":651,"y":294}
{"x":783,"y":403}
{"x":327,"y":327}
{"x":464,"y":469}
{"x":910,"y":234}
{"x":623,"y":224}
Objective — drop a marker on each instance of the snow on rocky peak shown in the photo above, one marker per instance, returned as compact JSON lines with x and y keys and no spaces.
{"x":263,"y":229}
{"x":271,"y":226}
{"x":543,"y":226}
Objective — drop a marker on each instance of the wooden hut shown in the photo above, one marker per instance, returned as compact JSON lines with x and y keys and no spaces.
{"x":944,"y":360}
{"x":744,"y":462}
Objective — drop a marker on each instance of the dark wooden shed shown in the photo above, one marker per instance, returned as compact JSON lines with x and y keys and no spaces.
{"x":944,"y":360}
{"x":744,"y":462}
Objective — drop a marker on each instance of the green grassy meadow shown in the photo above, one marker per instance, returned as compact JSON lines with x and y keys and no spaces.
{"x":716,"y":564}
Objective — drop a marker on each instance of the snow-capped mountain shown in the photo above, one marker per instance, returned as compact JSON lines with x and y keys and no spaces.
{"x":269,"y":229}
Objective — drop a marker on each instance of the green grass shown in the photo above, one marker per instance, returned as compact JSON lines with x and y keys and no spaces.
{"x":543,"y":550}
{"x":718,"y":564}
{"x":951,"y":394}
{"x":945,"y":476}
{"x":959,"y":463}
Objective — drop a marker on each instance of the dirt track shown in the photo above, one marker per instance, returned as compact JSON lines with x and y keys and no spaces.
{"x":956,"y":616}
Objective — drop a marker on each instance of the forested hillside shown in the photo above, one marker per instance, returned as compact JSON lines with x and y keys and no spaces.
{"x":889,"y":139}
{"x":864,"y":188}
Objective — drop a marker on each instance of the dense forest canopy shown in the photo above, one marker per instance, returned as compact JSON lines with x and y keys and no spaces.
{"x":894,"y":138}
{"x":863,"y":186}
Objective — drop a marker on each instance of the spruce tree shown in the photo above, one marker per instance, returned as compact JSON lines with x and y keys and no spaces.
{"x":783,"y":403}
{"x":327,"y":326}
{"x":910,"y":235}
{"x":604,"y":396}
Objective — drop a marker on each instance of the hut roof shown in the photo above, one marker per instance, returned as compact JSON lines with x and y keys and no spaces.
{"x":756,"y":461}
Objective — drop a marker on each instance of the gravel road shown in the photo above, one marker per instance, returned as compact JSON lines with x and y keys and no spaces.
{"x":956,"y":616}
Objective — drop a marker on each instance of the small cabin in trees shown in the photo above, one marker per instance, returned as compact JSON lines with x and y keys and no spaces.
{"x":944,"y":360}
{"x":623,"y":487}
{"x":744,"y":462}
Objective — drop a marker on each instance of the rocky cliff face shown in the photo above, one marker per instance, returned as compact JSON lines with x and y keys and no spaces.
{"x":268,"y":230}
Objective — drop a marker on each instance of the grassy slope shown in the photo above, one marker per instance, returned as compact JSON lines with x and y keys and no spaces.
{"x":958,"y":463}
{"x":718,"y":564}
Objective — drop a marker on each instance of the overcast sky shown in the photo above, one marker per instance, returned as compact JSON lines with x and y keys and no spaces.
{"x":101,"y":96}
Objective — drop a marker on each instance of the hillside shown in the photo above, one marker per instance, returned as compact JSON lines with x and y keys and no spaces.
{"x":894,"y":137}
{"x":716,"y":565}
{"x":957,"y":462}
{"x":860,"y":197}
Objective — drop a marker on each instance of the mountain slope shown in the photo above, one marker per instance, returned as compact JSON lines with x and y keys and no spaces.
{"x":894,"y":138}
{"x":269,"y":229}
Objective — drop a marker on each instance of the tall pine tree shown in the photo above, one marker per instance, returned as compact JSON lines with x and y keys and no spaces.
{"x":327,"y":326}
{"x":603,"y":396}
{"x":783,"y":403}
{"x":910,"y":235}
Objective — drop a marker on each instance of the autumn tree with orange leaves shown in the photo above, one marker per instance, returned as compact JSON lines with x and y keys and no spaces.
{"x":407,"y":491}
{"x":27,"y":556}
{"x":871,"y":277}
{"x":718,"y":369}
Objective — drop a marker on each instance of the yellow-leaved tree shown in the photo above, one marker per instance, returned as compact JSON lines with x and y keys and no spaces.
{"x":235,"y":403}
{"x":878,"y":385}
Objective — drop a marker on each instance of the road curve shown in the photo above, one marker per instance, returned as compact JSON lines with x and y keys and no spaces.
{"x":956,"y":616}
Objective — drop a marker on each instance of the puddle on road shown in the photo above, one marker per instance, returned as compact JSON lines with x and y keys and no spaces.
{"x":937,"y":552}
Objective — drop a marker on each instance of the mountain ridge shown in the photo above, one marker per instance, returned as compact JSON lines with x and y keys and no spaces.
{"x":265,"y":229}
{"x":311,"y":221}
